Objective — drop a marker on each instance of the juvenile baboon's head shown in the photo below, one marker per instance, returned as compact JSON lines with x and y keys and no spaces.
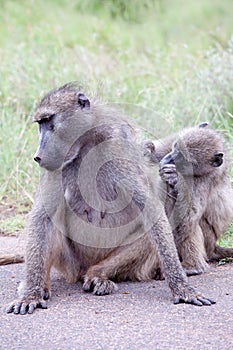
{"x":61,"y":116}
{"x":196,"y":152}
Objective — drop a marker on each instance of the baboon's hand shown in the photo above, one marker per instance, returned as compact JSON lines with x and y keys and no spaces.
{"x":189,"y":295}
{"x":169,"y":174}
{"x":98,"y":285}
{"x":26,"y":305}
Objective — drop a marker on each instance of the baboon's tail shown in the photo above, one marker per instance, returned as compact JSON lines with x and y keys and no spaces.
{"x":221,"y":253}
{"x":11,"y":259}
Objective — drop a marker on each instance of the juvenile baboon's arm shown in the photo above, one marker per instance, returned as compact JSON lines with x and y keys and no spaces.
{"x":168,"y":187}
{"x":185,"y":223}
{"x":192,"y":249}
{"x":34,"y":287}
{"x":177,"y":194}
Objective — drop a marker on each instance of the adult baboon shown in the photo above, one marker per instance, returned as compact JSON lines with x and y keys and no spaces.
{"x":95,"y":215}
{"x":199,"y":200}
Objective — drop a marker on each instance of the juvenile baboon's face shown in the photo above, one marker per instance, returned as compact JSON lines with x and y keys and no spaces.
{"x":196,"y":152}
{"x":59,"y":116}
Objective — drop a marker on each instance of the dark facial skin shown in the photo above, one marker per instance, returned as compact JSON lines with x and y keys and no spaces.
{"x":55,"y":134}
{"x":179,"y":159}
{"x":186,"y":163}
{"x":46,"y":128}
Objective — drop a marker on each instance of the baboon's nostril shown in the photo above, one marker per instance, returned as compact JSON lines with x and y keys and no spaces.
{"x":37,"y":159}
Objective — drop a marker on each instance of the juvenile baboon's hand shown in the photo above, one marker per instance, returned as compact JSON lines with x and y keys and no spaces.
{"x":26,"y":305}
{"x":189,"y":295}
{"x":169,"y":174}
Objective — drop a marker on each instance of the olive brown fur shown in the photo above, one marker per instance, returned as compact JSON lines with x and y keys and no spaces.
{"x":199,"y":200}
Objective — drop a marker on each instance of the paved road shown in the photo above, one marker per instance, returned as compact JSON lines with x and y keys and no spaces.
{"x":137,"y":316}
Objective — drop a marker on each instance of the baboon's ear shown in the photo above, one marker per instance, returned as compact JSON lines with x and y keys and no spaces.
{"x":83,"y":101}
{"x":217,"y":159}
{"x":203,"y":125}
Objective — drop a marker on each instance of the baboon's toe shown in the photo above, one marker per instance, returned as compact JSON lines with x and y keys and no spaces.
{"x":99,"y":286}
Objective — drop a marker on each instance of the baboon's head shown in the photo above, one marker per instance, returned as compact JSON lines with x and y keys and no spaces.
{"x":61,"y":115}
{"x":197,"y":151}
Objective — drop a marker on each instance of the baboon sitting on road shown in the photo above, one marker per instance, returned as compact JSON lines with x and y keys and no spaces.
{"x":97,"y":215}
{"x":199,"y":199}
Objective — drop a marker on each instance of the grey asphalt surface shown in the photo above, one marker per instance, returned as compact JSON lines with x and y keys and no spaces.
{"x":137,"y":316}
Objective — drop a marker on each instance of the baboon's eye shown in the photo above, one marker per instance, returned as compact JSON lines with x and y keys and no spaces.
{"x":47,"y":122}
{"x":50,"y":117}
{"x":51,"y":127}
{"x":46,"y":119}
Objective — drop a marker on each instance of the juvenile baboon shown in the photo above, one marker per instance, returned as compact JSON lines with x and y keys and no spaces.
{"x":199,"y":199}
{"x":95,"y":215}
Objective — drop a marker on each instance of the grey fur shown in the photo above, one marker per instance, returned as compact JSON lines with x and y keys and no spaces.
{"x":97,"y":215}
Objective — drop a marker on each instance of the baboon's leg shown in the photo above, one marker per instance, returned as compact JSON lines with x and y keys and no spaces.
{"x":210,"y":237}
{"x":47,"y":279}
{"x":221,"y":253}
{"x":214,"y":251}
{"x":192,"y":252}
{"x":136,"y":261}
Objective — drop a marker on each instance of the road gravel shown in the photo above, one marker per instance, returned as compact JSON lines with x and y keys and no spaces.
{"x":140,"y":315}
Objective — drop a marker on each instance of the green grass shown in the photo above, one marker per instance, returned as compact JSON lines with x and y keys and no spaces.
{"x":226,"y":240}
{"x":169,"y":63}
{"x":12,"y":225}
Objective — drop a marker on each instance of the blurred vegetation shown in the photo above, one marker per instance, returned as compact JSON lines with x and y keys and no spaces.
{"x":169,"y":63}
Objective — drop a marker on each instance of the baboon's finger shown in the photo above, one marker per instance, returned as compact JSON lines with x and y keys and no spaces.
{"x":205,"y":301}
{"x":17,"y":308}
{"x":195,"y":301}
{"x":31,"y":308}
{"x":23,"y":309}
{"x":10,"y":309}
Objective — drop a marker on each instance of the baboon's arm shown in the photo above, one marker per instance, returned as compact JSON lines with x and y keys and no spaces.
{"x":37,"y":256}
{"x":173,"y":271}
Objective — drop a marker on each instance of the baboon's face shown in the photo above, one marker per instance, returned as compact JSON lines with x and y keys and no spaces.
{"x":50,"y":153}
{"x":181,"y":158}
{"x":195,"y":154}
{"x":58,"y":117}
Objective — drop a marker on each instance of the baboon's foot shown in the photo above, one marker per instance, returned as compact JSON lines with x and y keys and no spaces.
{"x":98,"y":285}
{"x":169,"y":174}
{"x":192,"y":270}
{"x":26,"y":305}
{"x":187,"y":294}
